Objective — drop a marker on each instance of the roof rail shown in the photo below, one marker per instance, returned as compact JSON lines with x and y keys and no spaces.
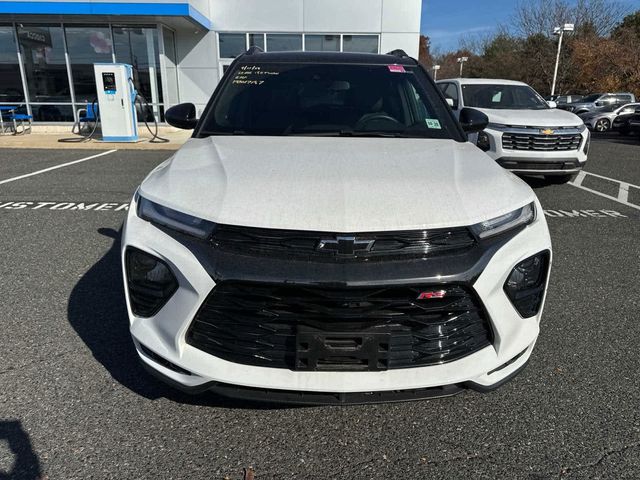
{"x":254,"y":50}
{"x":398,"y":53}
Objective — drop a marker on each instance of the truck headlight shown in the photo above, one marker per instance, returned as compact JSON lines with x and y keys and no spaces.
{"x":520,"y":217}
{"x":173,"y":219}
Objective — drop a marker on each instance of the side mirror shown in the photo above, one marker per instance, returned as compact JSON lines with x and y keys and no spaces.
{"x":473,"y":120}
{"x":552,"y":104}
{"x":182,"y":116}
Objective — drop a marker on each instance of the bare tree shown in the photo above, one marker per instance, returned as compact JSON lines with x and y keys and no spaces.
{"x":541,"y":16}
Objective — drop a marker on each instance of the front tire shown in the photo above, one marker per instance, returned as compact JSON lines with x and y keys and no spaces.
{"x":559,"y":179}
{"x":602,"y":125}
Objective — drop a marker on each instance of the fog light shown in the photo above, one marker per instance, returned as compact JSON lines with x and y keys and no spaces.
{"x":526,"y":283}
{"x":483,"y":143}
{"x":150,"y":281}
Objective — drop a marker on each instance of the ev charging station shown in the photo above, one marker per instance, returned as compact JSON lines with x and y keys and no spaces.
{"x":116,"y":102}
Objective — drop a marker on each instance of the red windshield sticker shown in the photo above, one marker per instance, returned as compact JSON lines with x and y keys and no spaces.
{"x":396,"y":68}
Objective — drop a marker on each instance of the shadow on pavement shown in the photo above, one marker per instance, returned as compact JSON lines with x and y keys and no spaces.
{"x":25,"y":464}
{"x":97,"y":312}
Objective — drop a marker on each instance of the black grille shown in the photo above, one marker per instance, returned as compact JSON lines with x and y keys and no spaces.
{"x":332,"y":246}
{"x":267,"y":325}
{"x":527,"y":165}
{"x":557,"y":142}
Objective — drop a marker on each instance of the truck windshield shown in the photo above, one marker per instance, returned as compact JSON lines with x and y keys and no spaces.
{"x":498,"y":96}
{"x":328,"y":100}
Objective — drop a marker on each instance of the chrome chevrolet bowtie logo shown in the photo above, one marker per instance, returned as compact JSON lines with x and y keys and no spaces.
{"x":345,"y":245}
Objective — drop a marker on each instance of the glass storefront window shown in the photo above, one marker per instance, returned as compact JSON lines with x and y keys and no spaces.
{"x":44,"y":63}
{"x":10,"y":83}
{"x":322,"y":43}
{"x":52,"y":113}
{"x":138,"y":46}
{"x":283,"y":42}
{"x":86,"y":46}
{"x":232,"y":44}
{"x":256,"y":40}
{"x":360,"y":43}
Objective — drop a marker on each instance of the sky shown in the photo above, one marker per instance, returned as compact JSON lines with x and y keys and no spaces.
{"x":446,"y":21}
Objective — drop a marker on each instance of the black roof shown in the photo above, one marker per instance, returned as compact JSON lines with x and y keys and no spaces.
{"x":257,"y":56}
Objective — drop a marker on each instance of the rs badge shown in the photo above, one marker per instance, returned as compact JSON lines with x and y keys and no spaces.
{"x":432,"y":295}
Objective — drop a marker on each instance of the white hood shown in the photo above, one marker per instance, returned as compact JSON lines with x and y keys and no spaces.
{"x":551,"y":117}
{"x":335,"y":184}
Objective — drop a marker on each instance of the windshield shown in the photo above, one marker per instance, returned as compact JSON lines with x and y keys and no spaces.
{"x":591,"y":98}
{"x":328,"y":100}
{"x":516,"y":97}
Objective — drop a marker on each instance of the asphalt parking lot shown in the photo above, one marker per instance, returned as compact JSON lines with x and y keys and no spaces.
{"x":74,"y":403}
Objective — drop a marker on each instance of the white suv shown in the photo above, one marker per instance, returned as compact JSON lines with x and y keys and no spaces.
{"x":525,"y":134}
{"x":329,"y":235}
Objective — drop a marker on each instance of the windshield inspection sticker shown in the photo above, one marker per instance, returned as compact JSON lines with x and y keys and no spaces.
{"x":433,"y":123}
{"x":396,"y":68}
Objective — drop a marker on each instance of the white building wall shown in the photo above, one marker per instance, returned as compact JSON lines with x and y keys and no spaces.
{"x":344,"y":16}
{"x":396,"y":21}
{"x":257,"y":15}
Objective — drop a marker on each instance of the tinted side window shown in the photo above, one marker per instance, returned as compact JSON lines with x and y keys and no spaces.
{"x":623,"y":98}
{"x":450,"y":90}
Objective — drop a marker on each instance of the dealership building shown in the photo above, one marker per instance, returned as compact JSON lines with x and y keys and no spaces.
{"x":179,"y":49}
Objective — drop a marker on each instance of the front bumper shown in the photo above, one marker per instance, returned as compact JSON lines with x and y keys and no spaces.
{"x":160,"y":340}
{"x":538,"y":162}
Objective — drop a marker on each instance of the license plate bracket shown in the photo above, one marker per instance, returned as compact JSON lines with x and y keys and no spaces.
{"x":340,"y":351}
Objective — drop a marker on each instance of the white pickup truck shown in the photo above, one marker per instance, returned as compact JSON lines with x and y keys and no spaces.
{"x":526,"y":134}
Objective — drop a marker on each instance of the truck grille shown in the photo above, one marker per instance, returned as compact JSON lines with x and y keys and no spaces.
{"x":339,"y":329}
{"x":345,"y":247}
{"x":557,"y":142}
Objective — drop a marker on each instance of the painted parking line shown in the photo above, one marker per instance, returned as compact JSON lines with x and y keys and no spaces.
{"x":65,"y":206}
{"x":55,"y":167}
{"x":623,"y":188}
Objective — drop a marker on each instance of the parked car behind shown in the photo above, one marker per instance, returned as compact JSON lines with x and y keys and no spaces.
{"x":562,"y":100}
{"x":524,"y":135}
{"x":621,"y":122}
{"x":602,"y":120}
{"x":597,"y":101}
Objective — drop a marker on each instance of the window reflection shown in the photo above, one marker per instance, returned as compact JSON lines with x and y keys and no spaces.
{"x":44,"y":63}
{"x":138,"y":46}
{"x":11,"y":83}
{"x":283,"y":42}
{"x":360,"y":43}
{"x":86,"y":46}
{"x":52,"y":113}
{"x":322,"y":43}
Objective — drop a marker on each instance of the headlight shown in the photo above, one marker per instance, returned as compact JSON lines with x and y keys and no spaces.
{"x":167,"y":217}
{"x":520,"y":217}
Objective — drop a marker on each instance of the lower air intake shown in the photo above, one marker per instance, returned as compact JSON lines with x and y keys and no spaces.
{"x":340,"y":329}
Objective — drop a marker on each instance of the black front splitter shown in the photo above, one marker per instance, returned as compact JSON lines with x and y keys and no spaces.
{"x":300,"y":398}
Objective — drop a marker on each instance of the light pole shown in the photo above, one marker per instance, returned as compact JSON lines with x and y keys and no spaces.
{"x":461,"y":61}
{"x":435,"y":72}
{"x":567,"y":27}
